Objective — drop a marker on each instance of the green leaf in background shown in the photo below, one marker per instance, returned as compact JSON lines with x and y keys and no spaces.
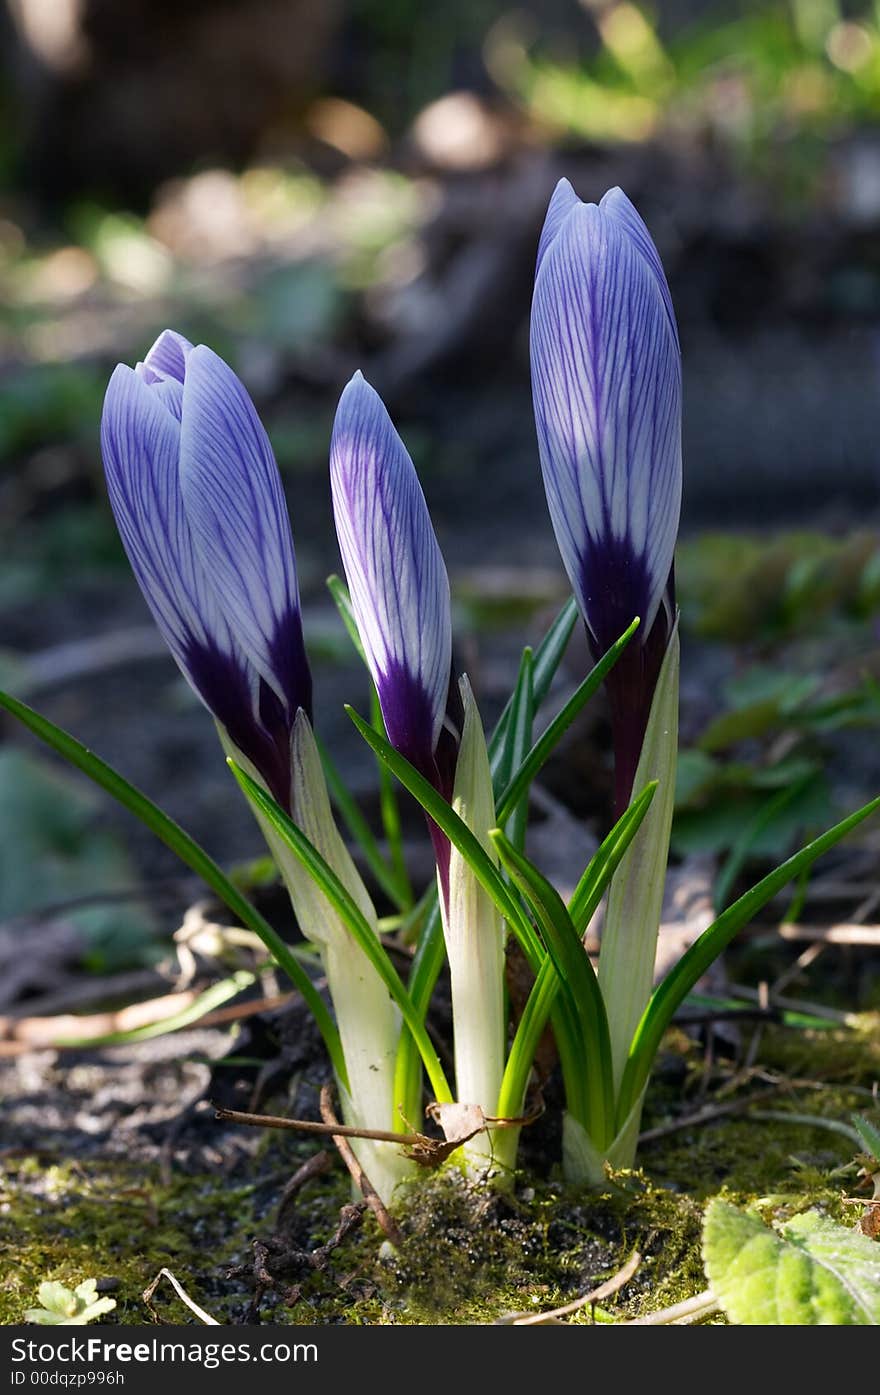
{"x":869,"y":1134}
{"x":741,"y":817}
{"x":810,"y":1273}
{"x":48,"y":821}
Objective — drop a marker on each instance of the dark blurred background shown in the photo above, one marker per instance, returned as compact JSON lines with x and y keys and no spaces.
{"x":316,"y":187}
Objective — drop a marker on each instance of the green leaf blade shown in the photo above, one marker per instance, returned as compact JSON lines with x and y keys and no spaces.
{"x":553,"y":734}
{"x":189,"y":852}
{"x":670,"y":994}
{"x":458,"y":833}
{"x":346,"y":907}
{"x":575,"y":971}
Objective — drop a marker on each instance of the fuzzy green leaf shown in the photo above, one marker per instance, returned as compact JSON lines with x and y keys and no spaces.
{"x":869,"y":1134}
{"x":813,"y":1272}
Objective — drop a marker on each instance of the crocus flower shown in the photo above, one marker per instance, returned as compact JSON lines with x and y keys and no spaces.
{"x":396,"y":575}
{"x":199,"y":505}
{"x":400,"y":597}
{"x":606,"y":382}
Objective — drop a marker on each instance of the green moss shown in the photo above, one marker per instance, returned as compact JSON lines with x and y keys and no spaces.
{"x":468,"y":1255}
{"x":111,"y":1222}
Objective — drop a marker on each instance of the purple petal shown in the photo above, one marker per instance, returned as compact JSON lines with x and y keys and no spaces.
{"x":237,"y":511}
{"x":607,"y":394}
{"x":140,"y":442}
{"x":395,"y":571}
{"x":167,"y":358}
{"x":140,"y":445}
{"x":617,"y":206}
{"x":562,"y":201}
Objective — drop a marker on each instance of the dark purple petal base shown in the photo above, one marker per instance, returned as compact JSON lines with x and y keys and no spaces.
{"x":259,"y":724}
{"x":630,"y":686}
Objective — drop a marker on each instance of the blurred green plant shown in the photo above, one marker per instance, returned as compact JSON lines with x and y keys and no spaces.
{"x":779,"y":77}
{"x":756,"y":776}
{"x":50,"y":822}
{"x":737,"y":586}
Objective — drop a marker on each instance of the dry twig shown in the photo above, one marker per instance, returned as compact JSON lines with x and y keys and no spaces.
{"x":182,"y":1295}
{"x":596,"y":1295}
{"x":361,"y":1180}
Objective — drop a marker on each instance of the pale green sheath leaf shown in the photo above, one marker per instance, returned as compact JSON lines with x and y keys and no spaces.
{"x":632,"y":918}
{"x":475,"y":934}
{"x":367,"y":1017}
{"x":812,"y":1273}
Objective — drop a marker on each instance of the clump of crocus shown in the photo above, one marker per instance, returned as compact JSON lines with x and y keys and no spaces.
{"x":200,"y":508}
{"x":198,"y":500}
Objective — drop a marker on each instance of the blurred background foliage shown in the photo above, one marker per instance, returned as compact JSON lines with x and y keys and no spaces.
{"x":313,"y":188}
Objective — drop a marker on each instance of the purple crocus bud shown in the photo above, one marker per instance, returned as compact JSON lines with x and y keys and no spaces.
{"x":396,"y":574}
{"x":198,"y":502}
{"x":606,"y":382}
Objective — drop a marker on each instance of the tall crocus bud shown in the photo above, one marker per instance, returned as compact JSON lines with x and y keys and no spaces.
{"x":606,"y":381}
{"x":395,"y":573}
{"x":199,"y":505}
{"x":400,"y":597}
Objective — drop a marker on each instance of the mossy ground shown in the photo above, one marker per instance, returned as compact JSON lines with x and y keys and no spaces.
{"x":468,"y":1255}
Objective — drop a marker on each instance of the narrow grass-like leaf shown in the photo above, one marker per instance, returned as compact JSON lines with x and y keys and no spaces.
{"x":521,"y":723}
{"x":547,"y":659}
{"x":504,"y":766}
{"x":573,"y":967}
{"x":604,"y":862}
{"x":188,"y":850}
{"x":565,"y":1014}
{"x":738,"y":854}
{"x":528,"y":1034}
{"x":553,"y":734}
{"x":341,"y":599}
{"x":427,"y":963}
{"x":350,"y":913}
{"x":360,"y":830}
{"x":213,"y":997}
{"x":584,"y":900}
{"x":388,"y":806}
{"x":669,"y":995}
{"x":460,"y":835}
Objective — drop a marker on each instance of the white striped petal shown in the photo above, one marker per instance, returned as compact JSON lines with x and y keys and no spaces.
{"x":617,"y":206}
{"x":238,"y":515}
{"x":562,"y":201}
{"x":140,"y":441}
{"x":607,"y":395}
{"x":395,"y":570}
